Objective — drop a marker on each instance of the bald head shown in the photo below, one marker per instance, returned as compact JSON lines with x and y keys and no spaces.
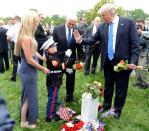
{"x":71,"y":21}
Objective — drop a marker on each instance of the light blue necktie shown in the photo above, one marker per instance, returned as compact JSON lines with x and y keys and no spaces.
{"x":69,"y":37}
{"x":110,"y":42}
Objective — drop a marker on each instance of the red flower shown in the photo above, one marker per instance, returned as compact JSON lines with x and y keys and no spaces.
{"x":122,"y":62}
{"x":78,"y":66}
{"x":54,"y":63}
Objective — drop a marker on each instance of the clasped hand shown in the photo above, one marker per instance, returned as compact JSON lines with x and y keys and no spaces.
{"x":132,"y":67}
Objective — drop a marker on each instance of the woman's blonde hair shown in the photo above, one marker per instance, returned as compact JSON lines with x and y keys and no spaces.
{"x":27,"y":28}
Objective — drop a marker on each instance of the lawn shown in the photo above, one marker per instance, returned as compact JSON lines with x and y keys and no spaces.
{"x":135,"y":115}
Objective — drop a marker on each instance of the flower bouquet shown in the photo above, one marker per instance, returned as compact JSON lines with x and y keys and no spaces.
{"x":95,"y":89}
{"x":123,"y":65}
{"x":90,"y":101}
{"x":78,"y":65}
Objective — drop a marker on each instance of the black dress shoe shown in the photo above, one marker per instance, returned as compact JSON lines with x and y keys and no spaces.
{"x":54,"y":119}
{"x":136,"y":84}
{"x":13,"y":78}
{"x":93,"y":72}
{"x":117,"y":115}
{"x":143,"y":86}
{"x":48,"y":119}
{"x":69,"y":100}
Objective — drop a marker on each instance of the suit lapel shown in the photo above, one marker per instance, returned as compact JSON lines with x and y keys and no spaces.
{"x":105,"y":31}
{"x":64,"y":34}
{"x":119,"y":30}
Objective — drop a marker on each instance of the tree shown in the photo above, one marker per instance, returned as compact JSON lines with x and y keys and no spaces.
{"x":136,"y":13}
{"x":92,"y":13}
{"x":58,"y":20}
{"x":80,"y":13}
{"x":55,"y":18}
{"x":47,"y":20}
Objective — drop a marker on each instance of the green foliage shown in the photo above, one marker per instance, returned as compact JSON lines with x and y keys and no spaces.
{"x":93,"y":88}
{"x":134,"y":116}
{"x":47,"y":20}
{"x":93,"y":12}
{"x":136,"y":13}
{"x":57,"y":19}
{"x":121,"y":11}
{"x":80,"y":13}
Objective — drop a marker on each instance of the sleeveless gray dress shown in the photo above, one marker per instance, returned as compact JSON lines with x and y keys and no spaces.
{"x":28,"y":76}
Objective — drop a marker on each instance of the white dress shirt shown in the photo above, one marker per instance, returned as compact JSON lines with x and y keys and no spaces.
{"x":115,"y":26}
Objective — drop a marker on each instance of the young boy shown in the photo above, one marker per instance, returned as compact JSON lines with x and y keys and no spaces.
{"x":54,"y":79}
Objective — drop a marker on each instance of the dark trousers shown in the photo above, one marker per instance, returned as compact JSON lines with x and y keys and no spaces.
{"x":118,"y":80}
{"x":4,"y":58}
{"x":70,"y":83}
{"x":16,"y":59}
{"x":41,"y":53}
{"x":91,"y":51}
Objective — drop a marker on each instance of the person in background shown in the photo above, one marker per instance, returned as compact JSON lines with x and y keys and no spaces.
{"x":82,"y":27}
{"x":63,"y":35}
{"x":141,"y":23}
{"x":92,"y":50}
{"x":12,"y":34}
{"x":6,"y":123}
{"x":141,"y":75}
{"x":119,"y":40}
{"x":10,"y":23}
{"x":47,"y":30}
{"x":52,"y":26}
{"x":40,"y":36}
{"x":3,"y":48}
{"x":26,"y":47}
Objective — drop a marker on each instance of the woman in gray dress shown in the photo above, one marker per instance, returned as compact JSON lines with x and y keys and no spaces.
{"x":26,"y":48}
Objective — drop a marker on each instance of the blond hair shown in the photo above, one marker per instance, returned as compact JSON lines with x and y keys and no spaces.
{"x":27,"y":29}
{"x":111,"y":8}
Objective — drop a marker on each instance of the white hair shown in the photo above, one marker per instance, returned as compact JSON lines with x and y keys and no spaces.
{"x":97,"y":18}
{"x":108,"y":8}
{"x":71,"y":17}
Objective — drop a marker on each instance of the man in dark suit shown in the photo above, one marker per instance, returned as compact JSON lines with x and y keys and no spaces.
{"x":82,"y":27}
{"x":3,"y":48}
{"x":92,"y":50}
{"x":63,"y":35}
{"x":119,"y":41}
{"x":40,"y":36}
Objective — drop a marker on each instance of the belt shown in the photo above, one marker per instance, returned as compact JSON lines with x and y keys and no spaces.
{"x":57,"y":71}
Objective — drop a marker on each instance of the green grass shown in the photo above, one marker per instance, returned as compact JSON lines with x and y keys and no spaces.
{"x":135,"y":115}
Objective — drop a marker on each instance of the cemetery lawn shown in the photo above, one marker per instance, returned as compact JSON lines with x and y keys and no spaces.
{"x":135,"y":115}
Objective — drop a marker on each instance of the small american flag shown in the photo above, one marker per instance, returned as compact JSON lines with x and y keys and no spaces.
{"x":64,"y":112}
